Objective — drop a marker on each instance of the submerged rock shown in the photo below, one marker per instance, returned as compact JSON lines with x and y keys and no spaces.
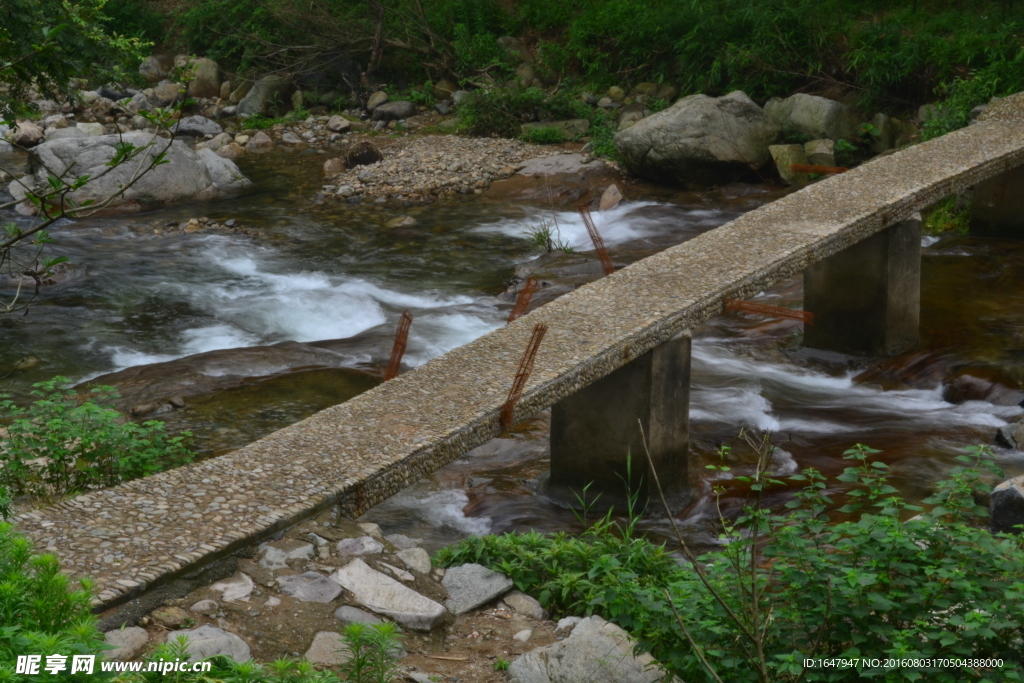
{"x":1006,"y":506}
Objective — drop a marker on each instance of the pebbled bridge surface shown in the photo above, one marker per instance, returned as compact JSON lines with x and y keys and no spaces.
{"x":141,"y":534}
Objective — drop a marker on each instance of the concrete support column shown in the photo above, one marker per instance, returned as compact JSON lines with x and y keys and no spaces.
{"x":867,"y":298}
{"x":997,"y":207}
{"x":593,"y":430}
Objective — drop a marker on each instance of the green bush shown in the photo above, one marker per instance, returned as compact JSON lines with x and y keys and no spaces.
{"x":791,"y":585}
{"x":134,"y":19}
{"x":61,"y":443}
{"x":502,"y":111}
{"x":548,"y":135}
{"x":39,"y":612}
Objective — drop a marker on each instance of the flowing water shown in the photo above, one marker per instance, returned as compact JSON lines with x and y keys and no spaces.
{"x":335,"y":276}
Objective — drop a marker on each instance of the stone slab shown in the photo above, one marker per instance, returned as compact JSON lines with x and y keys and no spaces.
{"x":384,"y":595}
{"x":309,"y":587}
{"x":471,"y":585}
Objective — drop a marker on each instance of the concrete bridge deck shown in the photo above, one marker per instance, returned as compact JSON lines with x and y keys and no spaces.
{"x":146,"y":532}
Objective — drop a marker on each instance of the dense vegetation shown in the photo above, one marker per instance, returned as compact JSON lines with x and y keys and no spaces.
{"x":890,"y":54}
{"x":794,"y":585}
{"x":64,"y":443}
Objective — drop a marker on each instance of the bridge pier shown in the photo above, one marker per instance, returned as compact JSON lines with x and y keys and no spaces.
{"x":997,"y":205}
{"x":866,"y":299}
{"x":593,"y":430}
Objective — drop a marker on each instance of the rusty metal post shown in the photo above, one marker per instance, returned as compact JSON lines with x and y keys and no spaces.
{"x":398,"y":350}
{"x":595,"y":237}
{"x":770,"y":311}
{"x":522,"y":374}
{"x":523,"y":300}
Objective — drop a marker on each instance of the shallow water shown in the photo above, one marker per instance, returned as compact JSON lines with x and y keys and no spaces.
{"x":332,"y":271}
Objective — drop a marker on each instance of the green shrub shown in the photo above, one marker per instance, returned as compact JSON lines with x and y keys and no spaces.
{"x":946,"y":216}
{"x":39,"y":613}
{"x":134,"y":19}
{"x":502,"y":111}
{"x":548,"y":135}
{"x":791,"y":585}
{"x":61,"y":444}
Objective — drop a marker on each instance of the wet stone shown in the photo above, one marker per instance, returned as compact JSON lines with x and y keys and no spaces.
{"x":309,"y":587}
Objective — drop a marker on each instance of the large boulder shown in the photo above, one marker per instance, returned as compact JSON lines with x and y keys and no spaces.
{"x":166,"y":93}
{"x":205,"y":79}
{"x":597,"y":652}
{"x":26,"y":134}
{"x":156,"y":68}
{"x":394,"y":111}
{"x":1006,"y":506}
{"x":187,"y":175}
{"x":269,"y":95}
{"x":700,"y":140}
{"x":197,"y":126}
{"x":814,"y":116}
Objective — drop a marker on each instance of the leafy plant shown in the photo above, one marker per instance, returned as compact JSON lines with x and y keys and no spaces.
{"x":547,"y":236}
{"x":501,"y":112}
{"x":501,"y":664}
{"x":548,"y":135}
{"x":6,"y":509}
{"x":790,"y":585}
{"x":946,"y":216}
{"x":39,"y":611}
{"x":61,"y":443}
{"x":372,"y":653}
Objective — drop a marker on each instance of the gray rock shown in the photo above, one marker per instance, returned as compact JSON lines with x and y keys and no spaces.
{"x":416,"y":559}
{"x":567,"y":624}
{"x":353,"y":615}
{"x":787,"y":155}
{"x":128,"y":642}
{"x":62,"y":133}
{"x":91,"y":130}
{"x":166,"y":94}
{"x":197,"y":126}
{"x":139,"y":102}
{"x":261,"y":142}
{"x":205,"y":78}
{"x":328,"y":649}
{"x":376,"y":99}
{"x":596,"y":652}
{"x":267,"y":96}
{"x":523,"y":636}
{"x":223,"y":172}
{"x":606,"y":103}
{"x":472,"y":585}
{"x":403,"y":542}
{"x":700,"y":140}
{"x":240,"y":91}
{"x":616,"y":94}
{"x":458,"y":96}
{"x":570,"y":128}
{"x":207,"y":607}
{"x":309,"y":587}
{"x":1006,"y":506}
{"x":364,"y":545}
{"x":820,"y":152}
{"x":444,"y":107}
{"x":394,"y":111}
{"x":558,"y":164}
{"x":630,"y":115}
{"x":369,"y":527}
{"x":237,"y":587}
{"x":275,"y":555}
{"x":338,"y":124}
{"x":815,"y":116}
{"x":525,"y":605}
{"x":155,"y":68}
{"x":26,"y":134}
{"x":208,"y":641}
{"x":610,"y":198}
{"x":188,"y":175}
{"x":384,"y":595}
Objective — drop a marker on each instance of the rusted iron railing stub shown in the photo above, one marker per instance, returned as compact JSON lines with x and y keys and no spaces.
{"x":398,"y":350}
{"x":595,"y":237}
{"x":769,"y":311}
{"x":522,"y":375}
{"x":523,"y":300}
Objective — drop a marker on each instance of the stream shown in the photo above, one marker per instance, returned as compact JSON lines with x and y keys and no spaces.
{"x":334,"y":276}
